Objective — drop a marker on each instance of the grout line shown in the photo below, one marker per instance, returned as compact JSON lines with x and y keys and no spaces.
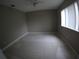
{"x":13,"y":42}
{"x":69,"y":44}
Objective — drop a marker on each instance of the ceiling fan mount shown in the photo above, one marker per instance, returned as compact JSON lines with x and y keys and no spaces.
{"x":34,"y":2}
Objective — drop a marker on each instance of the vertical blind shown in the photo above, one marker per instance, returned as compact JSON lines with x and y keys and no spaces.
{"x":69,"y":17}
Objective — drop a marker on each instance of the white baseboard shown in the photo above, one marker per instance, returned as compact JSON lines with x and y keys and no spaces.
{"x":16,"y":40}
{"x":13,"y":42}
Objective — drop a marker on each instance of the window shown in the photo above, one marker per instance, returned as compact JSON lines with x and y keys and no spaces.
{"x":69,"y":17}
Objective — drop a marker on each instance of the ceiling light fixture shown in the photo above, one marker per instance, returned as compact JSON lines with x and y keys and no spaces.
{"x":35,"y":2}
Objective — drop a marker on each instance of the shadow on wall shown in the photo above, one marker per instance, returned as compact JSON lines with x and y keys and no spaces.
{"x":13,"y":24}
{"x":72,"y":37}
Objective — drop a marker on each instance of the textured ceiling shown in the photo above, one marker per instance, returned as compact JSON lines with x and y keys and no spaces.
{"x":27,"y":5}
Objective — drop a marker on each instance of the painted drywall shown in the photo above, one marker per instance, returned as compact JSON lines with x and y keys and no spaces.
{"x":42,"y":21}
{"x":72,"y":37}
{"x":13,"y":25}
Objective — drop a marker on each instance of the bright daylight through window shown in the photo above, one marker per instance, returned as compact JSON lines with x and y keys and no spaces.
{"x":69,"y":17}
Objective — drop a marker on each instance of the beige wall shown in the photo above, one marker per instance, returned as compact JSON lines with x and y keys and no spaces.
{"x":72,"y":37}
{"x":13,"y":24}
{"x":42,"y":21}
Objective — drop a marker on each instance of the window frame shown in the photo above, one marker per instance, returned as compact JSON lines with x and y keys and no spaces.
{"x":76,"y":15}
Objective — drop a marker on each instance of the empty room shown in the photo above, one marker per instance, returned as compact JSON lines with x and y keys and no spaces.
{"x":39,"y":29}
